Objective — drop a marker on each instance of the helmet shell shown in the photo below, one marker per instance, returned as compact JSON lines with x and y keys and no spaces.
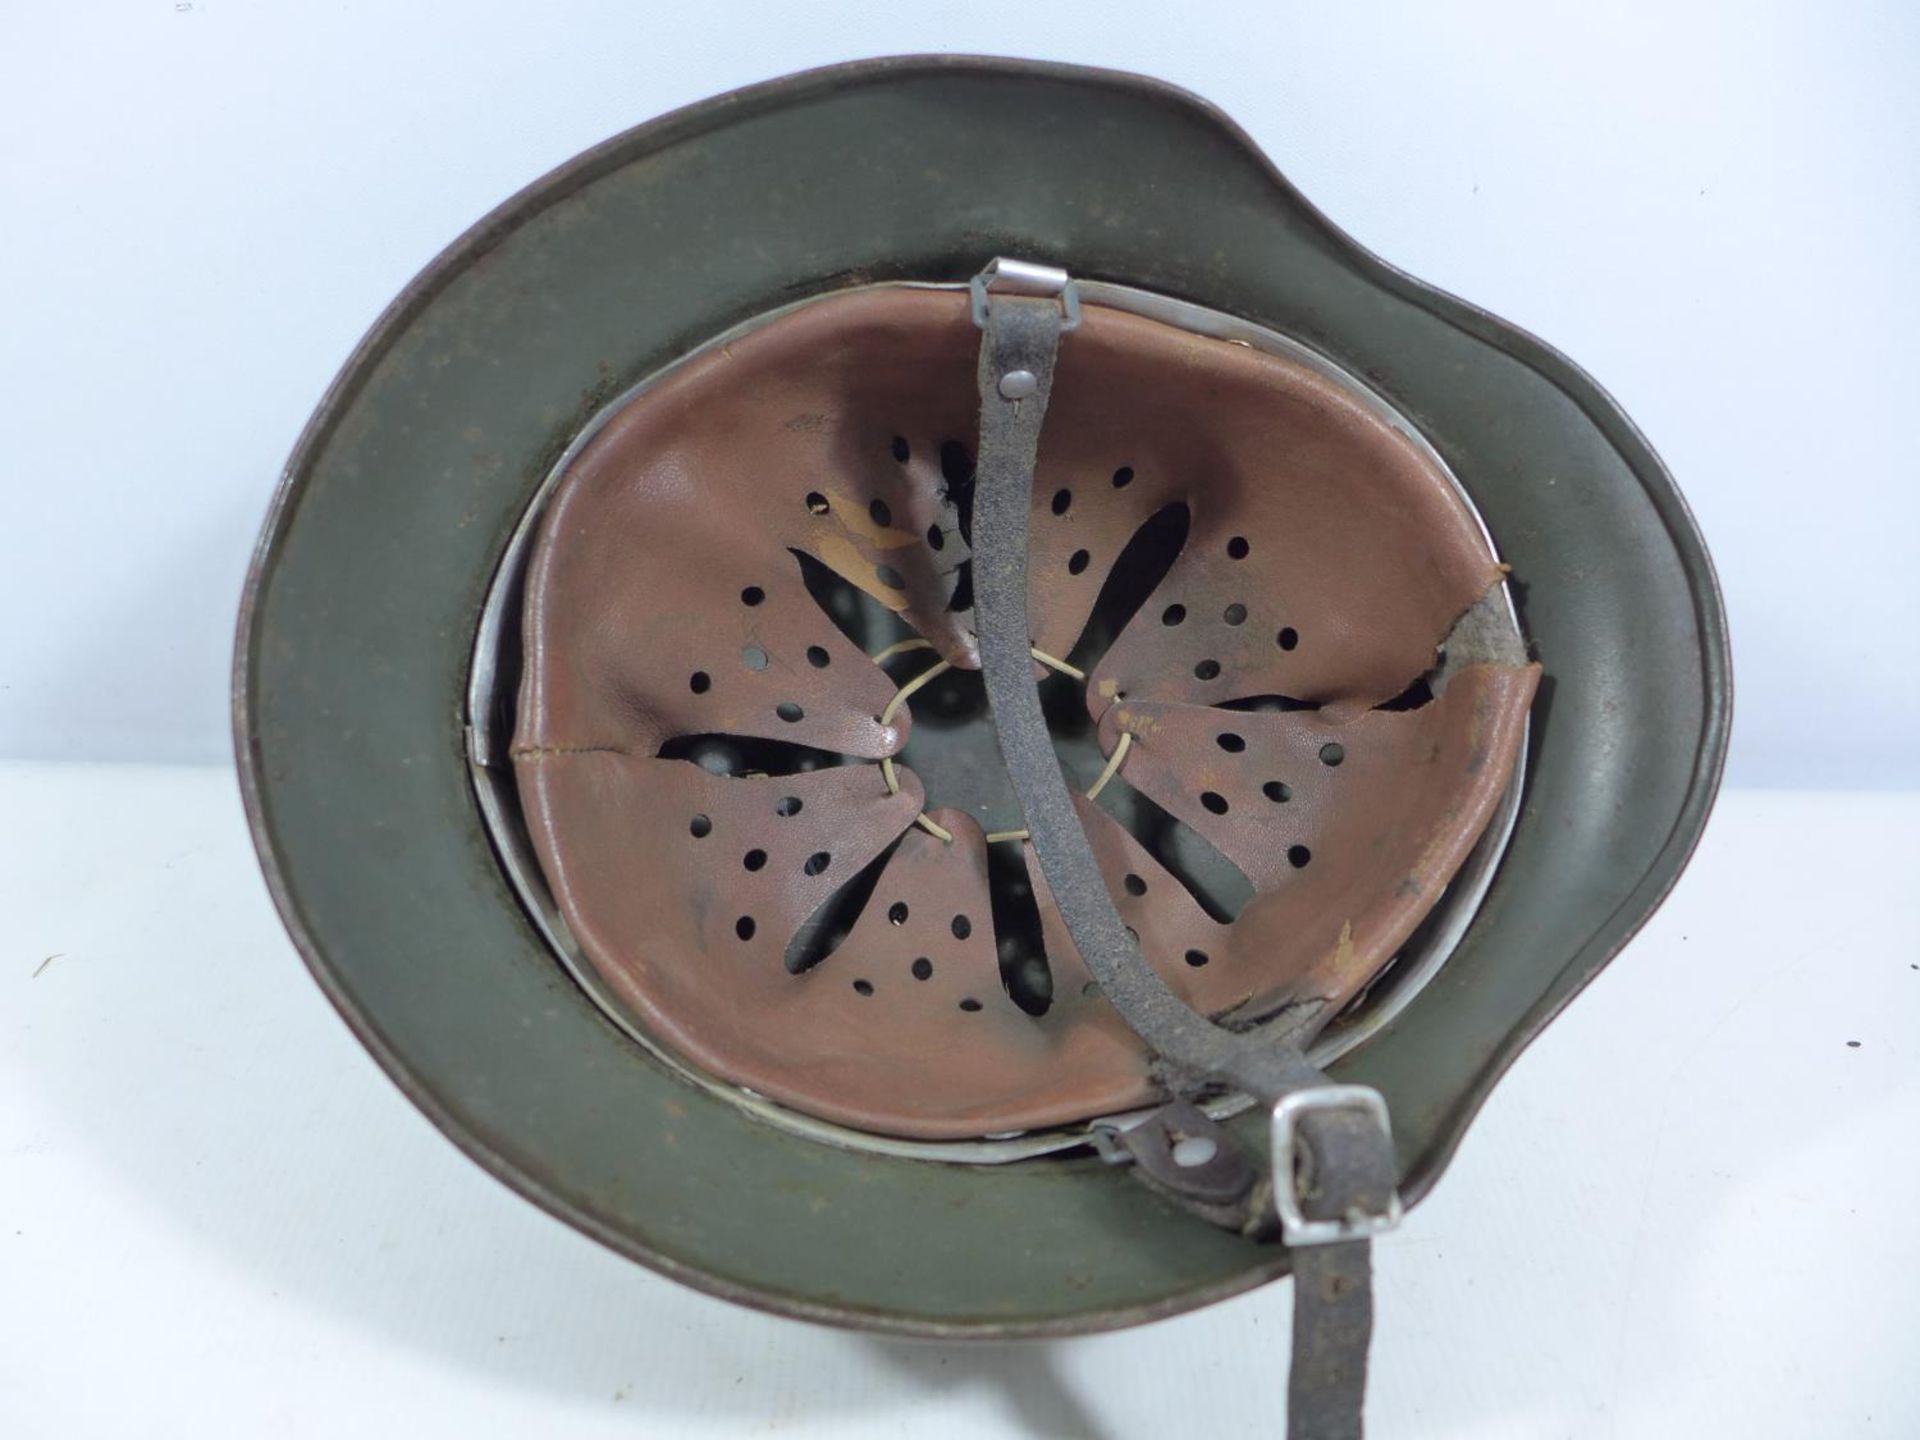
{"x":400,"y":497}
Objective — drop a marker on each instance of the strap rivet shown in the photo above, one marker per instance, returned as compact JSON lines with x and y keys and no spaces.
{"x":1018,"y":384}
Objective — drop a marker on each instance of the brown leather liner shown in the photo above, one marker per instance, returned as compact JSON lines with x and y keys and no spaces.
{"x":1326,"y":560}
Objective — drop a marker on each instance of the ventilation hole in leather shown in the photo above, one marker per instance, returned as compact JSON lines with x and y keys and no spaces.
{"x":936,"y":538}
{"x":1298,"y":856}
{"x":962,"y":927}
{"x":700,"y":827}
{"x":902,"y":451}
{"x":1277,"y":791}
{"x":1207,"y":670}
{"x":1078,"y":562}
{"x":1287,"y":638}
{"x":787,"y":805}
{"x":1235,"y":614}
{"x":1266,"y":704}
{"x":922,"y":969}
{"x":889,"y":577}
{"x":1173,"y":614}
{"x":744,"y":927}
{"x":830,"y":924}
{"x":1062,"y":501}
{"x":1123,"y":477}
{"x":1332,"y":753}
{"x":789,"y":712}
{"x":1196,"y":958}
{"x":752,"y":595}
{"x":881,"y":512}
{"x":897,"y":913}
{"x":863,"y":987}
{"x":1237,"y":547}
{"x":754,"y":859}
{"x":1231,"y":743}
{"x":1412,"y":698}
{"x":817,"y":503}
{"x":1215,"y":802}
{"x":755,"y":657}
{"x":817,"y":862}
{"x":1135,"y":886}
{"x":1019,"y":941}
{"x":970,"y":1005}
{"x":818,"y":657}
{"x":699,"y":682}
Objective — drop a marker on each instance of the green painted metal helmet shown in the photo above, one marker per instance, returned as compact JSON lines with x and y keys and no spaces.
{"x":398,"y":682}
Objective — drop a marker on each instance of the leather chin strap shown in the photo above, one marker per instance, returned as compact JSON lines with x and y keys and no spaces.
{"x":1332,"y":1181}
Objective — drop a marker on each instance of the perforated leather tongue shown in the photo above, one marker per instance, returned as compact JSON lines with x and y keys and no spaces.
{"x":763,"y":792}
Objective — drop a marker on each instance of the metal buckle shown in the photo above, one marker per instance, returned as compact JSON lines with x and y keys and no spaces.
{"x":1295,"y":1228}
{"x":1023,"y":277}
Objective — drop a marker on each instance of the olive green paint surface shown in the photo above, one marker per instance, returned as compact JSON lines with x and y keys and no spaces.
{"x":355,"y":641}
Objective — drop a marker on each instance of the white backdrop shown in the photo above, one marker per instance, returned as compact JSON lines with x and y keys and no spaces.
{"x":1716,"y":209}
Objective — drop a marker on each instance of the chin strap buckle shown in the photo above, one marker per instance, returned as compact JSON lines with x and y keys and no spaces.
{"x":1294,"y":1182}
